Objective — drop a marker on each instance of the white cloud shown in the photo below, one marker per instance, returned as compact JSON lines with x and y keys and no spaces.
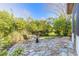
{"x":17,"y":9}
{"x":22,"y":13}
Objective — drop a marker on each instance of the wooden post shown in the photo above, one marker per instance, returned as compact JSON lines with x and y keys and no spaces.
{"x":69,"y":7}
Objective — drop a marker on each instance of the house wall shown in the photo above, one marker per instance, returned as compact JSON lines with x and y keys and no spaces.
{"x":77,"y":29}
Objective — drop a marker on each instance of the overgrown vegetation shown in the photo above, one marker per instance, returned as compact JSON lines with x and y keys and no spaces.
{"x":5,"y":42}
{"x":17,"y":52}
{"x":3,"y":52}
{"x":62,"y":27}
{"x":6,"y":23}
{"x":11,"y":27}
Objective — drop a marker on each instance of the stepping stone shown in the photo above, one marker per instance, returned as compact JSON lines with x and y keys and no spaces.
{"x":31,"y":54}
{"x":63,"y":54}
{"x":70,"y":45}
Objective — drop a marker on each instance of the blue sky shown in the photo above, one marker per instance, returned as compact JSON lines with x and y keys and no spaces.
{"x":35,"y":10}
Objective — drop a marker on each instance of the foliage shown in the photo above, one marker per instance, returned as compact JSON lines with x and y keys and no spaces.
{"x":17,"y":52}
{"x":39,"y":27}
{"x":3,"y":52}
{"x":20,"y":24}
{"x":5,"y":42}
{"x":62,"y":27}
{"x":6,"y":23}
{"x":67,"y":31}
{"x":6,"y":27}
{"x":19,"y":29}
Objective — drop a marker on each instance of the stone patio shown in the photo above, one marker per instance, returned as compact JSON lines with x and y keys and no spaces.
{"x":45,"y":47}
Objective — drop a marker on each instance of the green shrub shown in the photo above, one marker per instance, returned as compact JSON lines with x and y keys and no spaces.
{"x":67,"y":31}
{"x":17,"y":52}
{"x":6,"y":23}
{"x":20,"y":24}
{"x":62,"y":27}
{"x":5,"y":42}
{"x":3,"y":52}
{"x":40,"y":27}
